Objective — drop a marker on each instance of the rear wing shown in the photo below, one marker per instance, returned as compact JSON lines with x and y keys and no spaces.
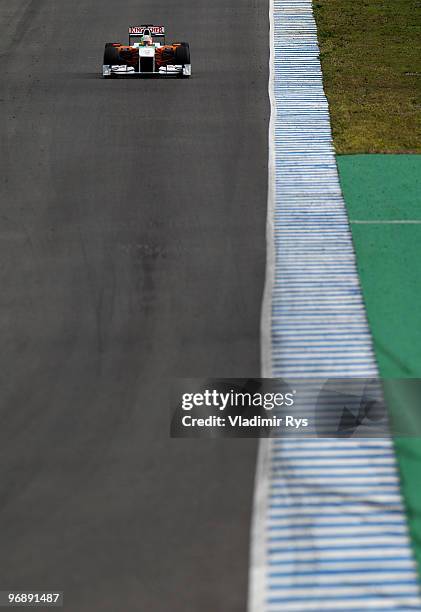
{"x":155,"y":31}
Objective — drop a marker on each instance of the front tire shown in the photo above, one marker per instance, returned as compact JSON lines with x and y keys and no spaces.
{"x":112,"y":55}
{"x":182,"y":54}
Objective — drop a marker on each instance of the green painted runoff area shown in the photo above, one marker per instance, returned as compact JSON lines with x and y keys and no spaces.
{"x":383,"y":198}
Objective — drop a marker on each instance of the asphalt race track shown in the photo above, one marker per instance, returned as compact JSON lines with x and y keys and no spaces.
{"x":132,"y":249}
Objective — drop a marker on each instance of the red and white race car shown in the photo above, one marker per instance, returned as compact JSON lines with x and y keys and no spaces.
{"x":147,"y":54}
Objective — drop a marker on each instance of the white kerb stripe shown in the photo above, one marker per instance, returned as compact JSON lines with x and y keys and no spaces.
{"x":314,"y":325}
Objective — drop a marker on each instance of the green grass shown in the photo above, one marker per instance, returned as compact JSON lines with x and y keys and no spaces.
{"x":371,"y":60}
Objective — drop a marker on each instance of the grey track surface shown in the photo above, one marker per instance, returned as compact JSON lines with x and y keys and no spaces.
{"x":132,"y":249}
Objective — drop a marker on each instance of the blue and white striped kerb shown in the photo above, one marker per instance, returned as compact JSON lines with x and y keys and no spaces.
{"x":329,"y":529}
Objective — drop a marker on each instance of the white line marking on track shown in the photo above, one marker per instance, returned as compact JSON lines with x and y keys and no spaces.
{"x":385,"y":222}
{"x":258,"y":552}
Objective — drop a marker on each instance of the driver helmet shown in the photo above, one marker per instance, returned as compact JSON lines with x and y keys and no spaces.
{"x":146,"y":39}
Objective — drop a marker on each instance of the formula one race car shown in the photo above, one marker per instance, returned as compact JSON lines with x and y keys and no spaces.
{"x":147,"y":55}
